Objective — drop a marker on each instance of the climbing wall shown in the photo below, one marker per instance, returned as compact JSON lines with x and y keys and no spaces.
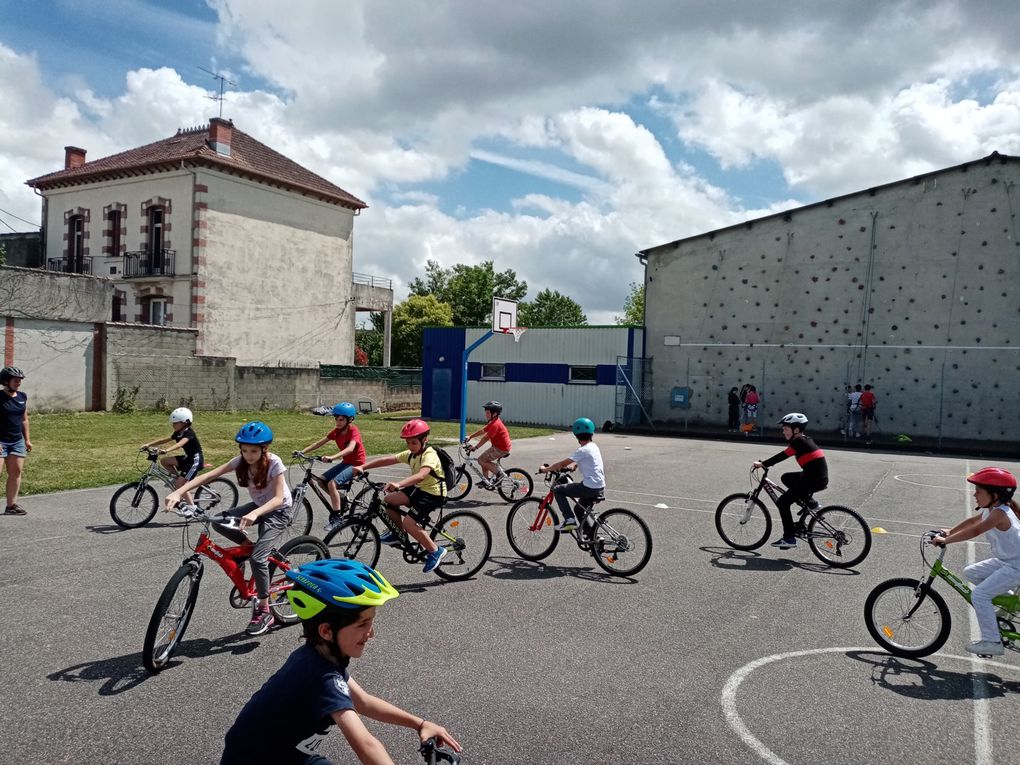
{"x":908,"y":287}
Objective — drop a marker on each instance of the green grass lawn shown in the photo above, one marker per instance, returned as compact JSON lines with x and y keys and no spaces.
{"x":75,"y":451}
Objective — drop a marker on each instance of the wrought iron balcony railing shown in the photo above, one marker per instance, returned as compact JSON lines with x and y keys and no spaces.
{"x":145,"y":263}
{"x":72,"y":265}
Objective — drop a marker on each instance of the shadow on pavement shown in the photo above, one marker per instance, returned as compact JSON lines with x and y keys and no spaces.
{"x":921,"y":679}
{"x":113,"y":528}
{"x":523,"y":570}
{"x":746,"y":560}
{"x":122,"y":673}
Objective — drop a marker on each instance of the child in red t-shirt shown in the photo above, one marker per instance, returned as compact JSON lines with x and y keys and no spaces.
{"x":495,"y":432}
{"x":352,"y":452}
{"x":868,"y":404}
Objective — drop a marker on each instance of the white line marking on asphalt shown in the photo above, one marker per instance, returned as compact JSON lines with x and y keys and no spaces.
{"x":901,"y":478}
{"x":729,"y":697}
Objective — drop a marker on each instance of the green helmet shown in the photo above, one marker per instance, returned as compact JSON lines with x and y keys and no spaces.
{"x":583,"y":427}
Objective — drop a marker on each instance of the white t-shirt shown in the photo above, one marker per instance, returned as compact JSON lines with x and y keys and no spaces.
{"x":1005,"y":544}
{"x":263,"y":495}
{"x":589,"y":460}
{"x":854,"y":399}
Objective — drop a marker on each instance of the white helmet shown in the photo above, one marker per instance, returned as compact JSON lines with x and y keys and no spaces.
{"x":794,"y":418}
{"x":181,"y":414}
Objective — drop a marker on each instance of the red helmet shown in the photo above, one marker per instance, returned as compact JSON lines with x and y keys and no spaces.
{"x":417,"y":428}
{"x":995,"y":478}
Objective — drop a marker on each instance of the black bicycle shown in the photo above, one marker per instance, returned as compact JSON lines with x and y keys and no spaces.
{"x":836,"y":535}
{"x":309,"y":480}
{"x":432,"y":753}
{"x":618,"y":539}
{"x":464,"y":534}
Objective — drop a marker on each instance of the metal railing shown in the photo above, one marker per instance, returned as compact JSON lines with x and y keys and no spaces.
{"x":372,"y":281}
{"x":82,"y":265}
{"x":145,"y":263}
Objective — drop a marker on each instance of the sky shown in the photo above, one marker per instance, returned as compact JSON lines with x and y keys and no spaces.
{"x":555,"y":139}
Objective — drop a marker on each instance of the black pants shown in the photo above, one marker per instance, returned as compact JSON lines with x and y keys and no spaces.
{"x":734,"y":418}
{"x":800,"y":486}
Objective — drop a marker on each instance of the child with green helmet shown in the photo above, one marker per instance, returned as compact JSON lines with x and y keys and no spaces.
{"x":588,"y":458}
{"x":337,"y":601}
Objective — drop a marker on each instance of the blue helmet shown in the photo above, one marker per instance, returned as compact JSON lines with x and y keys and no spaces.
{"x":336,"y":584}
{"x":583,"y":427}
{"x":256,"y":432}
{"x":346,"y":409}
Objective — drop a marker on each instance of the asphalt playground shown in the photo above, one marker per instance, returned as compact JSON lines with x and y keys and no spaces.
{"x":709,"y":655}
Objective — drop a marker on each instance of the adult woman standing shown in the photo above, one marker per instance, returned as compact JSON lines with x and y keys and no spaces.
{"x":14,"y":440}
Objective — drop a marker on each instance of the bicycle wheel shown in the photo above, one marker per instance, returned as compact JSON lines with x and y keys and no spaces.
{"x":515,"y":485}
{"x":171,"y":616}
{"x":293,"y":552}
{"x":133,"y":505}
{"x":529,"y":529}
{"x":354,"y":539}
{"x":468,"y":542}
{"x":743,"y":522}
{"x":359,"y":505}
{"x":219,"y":495}
{"x":463,"y":486}
{"x":301,"y":524}
{"x":887,"y":614}
{"x":622,"y":542}
{"x":839,"y":536}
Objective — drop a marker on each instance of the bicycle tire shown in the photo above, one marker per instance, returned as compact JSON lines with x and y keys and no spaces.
{"x":627,"y":539}
{"x":359,"y":505}
{"x":139,"y":508}
{"x":465,"y":557}
{"x":294,"y":551}
{"x":163,"y":635}
{"x":885,"y":615}
{"x":515,"y":485}
{"x":217,"y":495}
{"x":738,"y":531}
{"x":529,"y":529}
{"x":846,"y":544}
{"x":301,"y":523}
{"x":355,"y":539}
{"x":463,"y":486}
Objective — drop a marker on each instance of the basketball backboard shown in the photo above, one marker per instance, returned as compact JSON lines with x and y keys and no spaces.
{"x":504,"y":314}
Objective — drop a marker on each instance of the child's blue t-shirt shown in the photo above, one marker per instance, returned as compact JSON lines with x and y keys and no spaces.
{"x":288,"y":718}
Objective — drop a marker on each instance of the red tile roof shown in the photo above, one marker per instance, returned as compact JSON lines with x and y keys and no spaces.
{"x":248,"y":157}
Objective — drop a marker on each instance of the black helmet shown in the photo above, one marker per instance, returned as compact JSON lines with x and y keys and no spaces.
{"x":8,"y":372}
{"x":493,"y":406}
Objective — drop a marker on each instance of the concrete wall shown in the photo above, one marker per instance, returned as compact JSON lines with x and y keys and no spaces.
{"x":31,"y":293}
{"x":907,"y":287}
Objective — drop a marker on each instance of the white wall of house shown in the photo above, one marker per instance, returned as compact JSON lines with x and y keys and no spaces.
{"x":276,"y":276}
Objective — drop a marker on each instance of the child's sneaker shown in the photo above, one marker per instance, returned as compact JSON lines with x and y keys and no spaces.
{"x":433,"y":558}
{"x":260,"y":623}
{"x":986,"y":647}
{"x":785,"y":544}
{"x":335,"y":519}
{"x":389,"y":538}
{"x":567,"y":524}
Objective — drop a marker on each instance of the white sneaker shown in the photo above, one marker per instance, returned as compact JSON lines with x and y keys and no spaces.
{"x":986,"y":647}
{"x":567,"y":524}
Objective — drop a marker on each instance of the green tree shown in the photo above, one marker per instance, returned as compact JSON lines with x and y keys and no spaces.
{"x":371,"y":342}
{"x":469,"y":290}
{"x":551,"y":309}
{"x":633,"y":306}
{"x":410,"y":318}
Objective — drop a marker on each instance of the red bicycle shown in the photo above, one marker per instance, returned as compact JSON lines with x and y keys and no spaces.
{"x":618,"y":539}
{"x":177,"y":601}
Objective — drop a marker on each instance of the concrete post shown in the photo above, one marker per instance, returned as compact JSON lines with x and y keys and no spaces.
{"x":387,"y":337}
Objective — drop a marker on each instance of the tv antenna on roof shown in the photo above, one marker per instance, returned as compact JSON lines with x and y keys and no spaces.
{"x":223,"y":81}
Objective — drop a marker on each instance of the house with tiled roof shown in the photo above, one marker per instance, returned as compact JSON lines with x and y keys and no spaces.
{"x":212,"y":230}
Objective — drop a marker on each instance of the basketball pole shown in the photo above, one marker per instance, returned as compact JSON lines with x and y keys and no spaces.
{"x":464,"y":381}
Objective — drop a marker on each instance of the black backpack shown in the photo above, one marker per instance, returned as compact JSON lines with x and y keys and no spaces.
{"x":449,"y":468}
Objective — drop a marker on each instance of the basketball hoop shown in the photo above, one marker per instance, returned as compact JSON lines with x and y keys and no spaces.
{"x":515,"y":331}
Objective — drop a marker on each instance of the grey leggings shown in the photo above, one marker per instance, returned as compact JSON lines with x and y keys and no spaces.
{"x":577,"y":490}
{"x":271,"y":528}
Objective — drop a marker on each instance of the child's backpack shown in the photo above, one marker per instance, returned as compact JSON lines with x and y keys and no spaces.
{"x":449,"y":468}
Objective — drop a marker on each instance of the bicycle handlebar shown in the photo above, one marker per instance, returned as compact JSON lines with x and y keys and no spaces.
{"x":196,"y":513}
{"x":307,"y":457}
{"x":433,"y":753}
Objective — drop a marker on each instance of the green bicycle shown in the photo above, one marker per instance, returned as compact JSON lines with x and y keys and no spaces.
{"x":908,"y":618}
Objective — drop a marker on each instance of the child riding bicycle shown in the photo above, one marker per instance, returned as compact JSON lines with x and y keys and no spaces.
{"x":352,"y":453}
{"x":265,"y":476}
{"x":800,"y":486}
{"x":337,"y":601}
{"x":185,"y":466}
{"x":495,"y":432}
{"x":423,"y":491}
{"x":588,"y":458}
{"x":999,"y":521}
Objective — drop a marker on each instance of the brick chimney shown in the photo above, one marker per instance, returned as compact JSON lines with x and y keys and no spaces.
{"x":220,"y":133}
{"x":73,"y":157}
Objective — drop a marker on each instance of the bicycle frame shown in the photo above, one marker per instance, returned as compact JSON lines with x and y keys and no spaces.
{"x":542,"y":516}
{"x":316,"y":483}
{"x":1005,"y":602}
{"x":413,"y":552}
{"x":775,"y":491}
